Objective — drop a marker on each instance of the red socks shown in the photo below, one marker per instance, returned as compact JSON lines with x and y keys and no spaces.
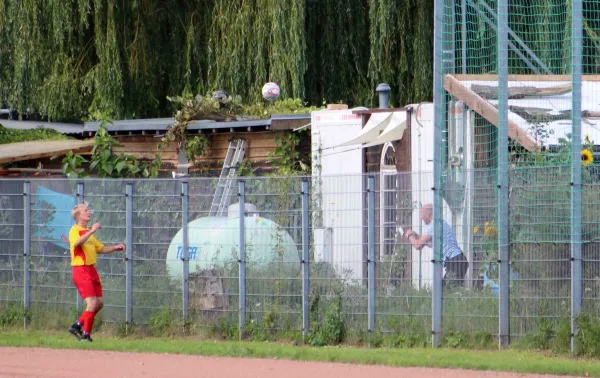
{"x":87,"y":320}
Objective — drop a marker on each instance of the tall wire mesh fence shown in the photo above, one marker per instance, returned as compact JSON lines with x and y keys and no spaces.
{"x":347,"y":234}
{"x":516,"y":97}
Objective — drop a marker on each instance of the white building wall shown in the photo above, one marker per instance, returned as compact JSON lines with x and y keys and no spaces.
{"x":338,"y":190}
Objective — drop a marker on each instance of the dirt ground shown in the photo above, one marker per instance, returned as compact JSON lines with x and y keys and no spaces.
{"x":39,"y":362}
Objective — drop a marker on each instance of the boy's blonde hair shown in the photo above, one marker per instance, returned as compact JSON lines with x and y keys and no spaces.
{"x":77,"y":209}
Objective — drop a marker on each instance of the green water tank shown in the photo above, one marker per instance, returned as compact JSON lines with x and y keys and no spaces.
{"x":213,"y":243}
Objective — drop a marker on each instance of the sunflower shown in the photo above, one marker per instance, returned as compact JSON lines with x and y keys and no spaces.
{"x":489,"y":229}
{"x":587,"y":157}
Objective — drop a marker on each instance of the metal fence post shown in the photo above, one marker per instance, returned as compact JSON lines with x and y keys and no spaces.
{"x":439,"y":98}
{"x":242,"y":259}
{"x":576,"y":184}
{"x":371,"y":251}
{"x":129,"y":255}
{"x":502,"y":198}
{"x":185,"y":250}
{"x":80,"y":199}
{"x":305,"y":259}
{"x":463,"y":33}
{"x":26,"y":249}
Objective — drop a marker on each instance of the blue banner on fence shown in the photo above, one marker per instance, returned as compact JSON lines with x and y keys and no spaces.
{"x":52,"y":216}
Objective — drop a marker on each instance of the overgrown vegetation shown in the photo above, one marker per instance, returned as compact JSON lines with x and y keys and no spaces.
{"x":39,"y":133}
{"x":222,"y":107}
{"x":106,"y":164}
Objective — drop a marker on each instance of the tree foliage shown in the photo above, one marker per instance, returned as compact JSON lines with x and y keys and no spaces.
{"x":71,"y":60}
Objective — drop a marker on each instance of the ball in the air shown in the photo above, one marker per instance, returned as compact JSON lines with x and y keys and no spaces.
{"x":270,"y":91}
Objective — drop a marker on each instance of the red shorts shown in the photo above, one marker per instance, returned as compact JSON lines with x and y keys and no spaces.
{"x":87,"y":281}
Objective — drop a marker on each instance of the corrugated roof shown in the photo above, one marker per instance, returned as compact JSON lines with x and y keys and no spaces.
{"x":161,"y":124}
{"x":63,"y":128}
{"x":41,"y":149}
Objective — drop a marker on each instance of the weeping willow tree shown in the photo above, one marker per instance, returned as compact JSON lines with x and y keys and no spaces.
{"x":67,"y":59}
{"x":255,"y":41}
{"x":337,"y":34}
{"x":70,"y":60}
{"x":401,"y":38}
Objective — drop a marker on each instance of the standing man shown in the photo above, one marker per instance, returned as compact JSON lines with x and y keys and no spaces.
{"x":84,"y":248}
{"x":454,"y":260}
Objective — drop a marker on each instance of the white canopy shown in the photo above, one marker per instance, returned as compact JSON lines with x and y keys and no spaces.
{"x":379,"y":129}
{"x":394,"y":130}
{"x":374,"y":126}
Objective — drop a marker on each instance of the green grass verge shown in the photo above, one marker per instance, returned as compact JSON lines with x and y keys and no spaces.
{"x":512,"y":360}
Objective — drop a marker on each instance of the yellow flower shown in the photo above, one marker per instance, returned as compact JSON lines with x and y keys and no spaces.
{"x":587,"y":157}
{"x":489,"y":229}
{"x":475,"y":229}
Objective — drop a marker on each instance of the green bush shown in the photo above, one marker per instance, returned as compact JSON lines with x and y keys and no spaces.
{"x":328,"y":328}
{"x":161,"y":322}
{"x":12,"y":315}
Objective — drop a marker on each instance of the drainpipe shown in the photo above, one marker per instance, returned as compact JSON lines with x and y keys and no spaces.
{"x":384,"y":95}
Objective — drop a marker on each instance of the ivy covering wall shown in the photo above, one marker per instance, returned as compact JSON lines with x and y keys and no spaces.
{"x":68,"y":60}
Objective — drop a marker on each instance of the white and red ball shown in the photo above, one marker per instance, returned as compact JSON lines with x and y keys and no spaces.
{"x":270,"y":91}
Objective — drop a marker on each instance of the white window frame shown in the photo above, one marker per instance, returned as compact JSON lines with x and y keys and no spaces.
{"x":387,"y":192}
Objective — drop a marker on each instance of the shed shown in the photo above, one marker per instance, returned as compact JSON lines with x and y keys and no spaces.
{"x":141,"y":139}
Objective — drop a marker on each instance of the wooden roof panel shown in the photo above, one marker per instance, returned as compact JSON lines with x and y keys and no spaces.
{"x":41,"y":149}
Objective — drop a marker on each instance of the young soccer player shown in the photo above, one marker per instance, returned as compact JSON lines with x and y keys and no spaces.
{"x":84,"y":247}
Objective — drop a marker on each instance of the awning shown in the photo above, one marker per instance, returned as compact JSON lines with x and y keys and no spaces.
{"x":394,"y":130}
{"x":381,"y":128}
{"x":374,"y":126}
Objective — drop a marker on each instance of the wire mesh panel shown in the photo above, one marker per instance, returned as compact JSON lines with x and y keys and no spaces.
{"x":214,"y":260}
{"x":106,"y":199}
{"x":157,"y":281}
{"x":469,"y":244}
{"x":273,"y":250}
{"x":540,"y":248}
{"x":590,"y":174}
{"x":590,"y":239}
{"x":338,"y":269}
{"x":11,"y":242}
{"x":403,"y":273}
{"x":53,"y":294}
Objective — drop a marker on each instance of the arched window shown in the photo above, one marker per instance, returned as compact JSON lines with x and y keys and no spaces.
{"x":388,"y":201}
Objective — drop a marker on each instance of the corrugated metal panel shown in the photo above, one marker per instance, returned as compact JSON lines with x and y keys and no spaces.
{"x":161,"y":124}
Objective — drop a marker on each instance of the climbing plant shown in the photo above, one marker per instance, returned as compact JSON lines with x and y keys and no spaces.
{"x":104,"y":163}
{"x":222,"y":107}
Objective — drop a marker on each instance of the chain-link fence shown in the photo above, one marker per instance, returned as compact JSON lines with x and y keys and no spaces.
{"x":315,"y":253}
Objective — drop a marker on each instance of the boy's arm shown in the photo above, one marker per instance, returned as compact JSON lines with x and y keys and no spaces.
{"x":111,"y":249}
{"x":83,"y":238}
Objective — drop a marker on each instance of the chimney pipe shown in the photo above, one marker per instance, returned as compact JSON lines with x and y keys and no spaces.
{"x":384,"y":95}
